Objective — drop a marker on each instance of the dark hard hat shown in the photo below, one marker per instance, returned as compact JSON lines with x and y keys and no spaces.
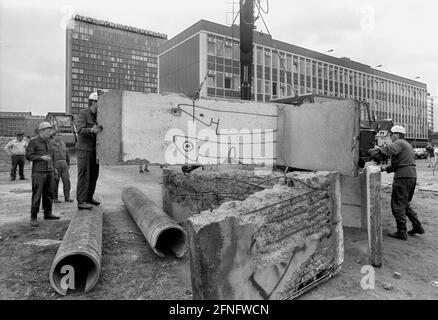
{"x":21,"y":133}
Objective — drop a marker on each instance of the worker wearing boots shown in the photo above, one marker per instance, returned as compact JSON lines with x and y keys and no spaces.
{"x":16,"y":149}
{"x":40,"y":153}
{"x":88,"y":168}
{"x":405,"y":178}
{"x":62,"y":164}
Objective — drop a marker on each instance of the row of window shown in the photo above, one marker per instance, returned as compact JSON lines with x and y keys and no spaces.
{"x":284,"y":62}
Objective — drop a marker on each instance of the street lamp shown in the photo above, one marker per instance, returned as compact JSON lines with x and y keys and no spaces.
{"x":331,"y":50}
{"x":417,"y":77}
{"x":378,"y":66}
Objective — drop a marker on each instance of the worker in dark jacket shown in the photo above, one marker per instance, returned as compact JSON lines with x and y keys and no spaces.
{"x":62,"y":164}
{"x":41,"y":154}
{"x":405,"y":178}
{"x":88,"y":168}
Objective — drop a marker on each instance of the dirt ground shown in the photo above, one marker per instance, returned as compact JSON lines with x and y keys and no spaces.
{"x":130,"y":269}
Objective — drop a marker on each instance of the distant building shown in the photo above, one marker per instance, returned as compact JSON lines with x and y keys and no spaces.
{"x":105,"y":55}
{"x":12,"y":122}
{"x":430,"y":112}
{"x":211,"y":50}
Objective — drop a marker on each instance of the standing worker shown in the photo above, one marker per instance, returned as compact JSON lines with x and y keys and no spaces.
{"x":88,"y":168}
{"x":16,"y":148}
{"x":62,"y":164}
{"x":40,"y":153}
{"x":435,"y":161}
{"x":429,"y":152}
{"x":405,"y":178}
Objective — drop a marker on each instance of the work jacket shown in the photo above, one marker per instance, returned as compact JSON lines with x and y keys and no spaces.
{"x":16,"y":148}
{"x":61,"y":157}
{"x":86,"y":139}
{"x":36,"y":148}
{"x":402,"y":159}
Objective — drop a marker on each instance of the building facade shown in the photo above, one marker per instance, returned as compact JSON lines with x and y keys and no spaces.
{"x":430,"y":112}
{"x":105,"y":55}
{"x":12,"y":122}
{"x":210,"y":51}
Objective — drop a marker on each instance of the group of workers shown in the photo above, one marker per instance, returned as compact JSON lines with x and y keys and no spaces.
{"x":51,"y":162}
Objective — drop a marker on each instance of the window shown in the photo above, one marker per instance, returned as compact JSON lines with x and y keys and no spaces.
{"x":228,"y":82}
{"x":274,"y":88}
{"x":219,"y":80}
{"x":267,"y":59}
{"x":220,"y":48}
{"x":289,"y":63}
{"x":228,"y":52}
{"x":308,"y":68}
{"x":259,"y":86}
{"x":259,"y":56}
{"x":267,"y":87}
{"x":210,"y":81}
{"x":275,"y":61}
{"x":236,"y":52}
{"x":236,"y":82}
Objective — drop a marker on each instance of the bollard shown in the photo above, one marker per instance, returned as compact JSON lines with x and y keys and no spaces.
{"x":80,"y":251}
{"x":162,"y":233}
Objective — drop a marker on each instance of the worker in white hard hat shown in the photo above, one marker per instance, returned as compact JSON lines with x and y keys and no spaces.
{"x":88,"y":167}
{"x":405,"y":178}
{"x":40,"y":153}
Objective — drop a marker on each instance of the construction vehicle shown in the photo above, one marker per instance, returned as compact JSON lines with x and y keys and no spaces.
{"x":65,"y":126}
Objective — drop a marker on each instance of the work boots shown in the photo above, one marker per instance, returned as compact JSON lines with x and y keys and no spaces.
{"x":56,"y":200}
{"x":398,"y":235}
{"x":93,"y":202}
{"x":50,"y":216}
{"x":416,"y":229}
{"x":68,"y":199}
{"x":85,"y":206}
{"x":34,"y":222}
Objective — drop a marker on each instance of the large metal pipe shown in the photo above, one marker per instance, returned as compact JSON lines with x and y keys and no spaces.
{"x":162,"y":233}
{"x":79,"y":251}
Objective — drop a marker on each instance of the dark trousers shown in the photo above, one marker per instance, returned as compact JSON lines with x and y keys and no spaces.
{"x":88,"y":172}
{"x":42,"y":187}
{"x":402,"y":192}
{"x":62,"y":174}
{"x":17,"y":161}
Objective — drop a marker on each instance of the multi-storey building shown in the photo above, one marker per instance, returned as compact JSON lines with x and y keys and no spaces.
{"x":105,"y":55}
{"x":210,"y":51}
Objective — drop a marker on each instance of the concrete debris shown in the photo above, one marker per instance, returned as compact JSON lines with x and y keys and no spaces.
{"x":388,"y":286}
{"x":434,"y":284}
{"x":275,"y":244}
{"x":397,"y":275}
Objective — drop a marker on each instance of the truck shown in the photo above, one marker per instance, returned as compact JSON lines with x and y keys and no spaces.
{"x":64,"y":124}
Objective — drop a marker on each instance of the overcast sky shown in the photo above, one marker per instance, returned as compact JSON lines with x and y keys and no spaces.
{"x":400,"y":35}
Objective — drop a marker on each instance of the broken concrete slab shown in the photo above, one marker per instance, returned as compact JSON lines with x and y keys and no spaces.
{"x":276,"y":244}
{"x":320,"y":136}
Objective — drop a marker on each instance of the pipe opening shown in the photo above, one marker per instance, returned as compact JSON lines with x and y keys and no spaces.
{"x":171,"y":242}
{"x":75,"y":273}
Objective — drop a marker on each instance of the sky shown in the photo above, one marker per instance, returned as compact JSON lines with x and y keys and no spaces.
{"x":400,"y":35}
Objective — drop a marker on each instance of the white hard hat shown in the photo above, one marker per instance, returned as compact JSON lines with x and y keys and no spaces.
{"x":398,"y":129}
{"x":44,"y":125}
{"x":93,"y":96}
